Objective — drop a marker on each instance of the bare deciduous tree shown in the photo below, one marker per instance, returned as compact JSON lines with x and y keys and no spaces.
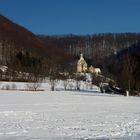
{"x":127,"y":78}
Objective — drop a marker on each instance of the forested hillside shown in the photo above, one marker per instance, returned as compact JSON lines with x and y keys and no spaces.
{"x":97,"y":47}
{"x":15,"y":39}
{"x":23,"y":51}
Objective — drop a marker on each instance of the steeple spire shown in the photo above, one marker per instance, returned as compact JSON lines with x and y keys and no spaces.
{"x":81,"y":55}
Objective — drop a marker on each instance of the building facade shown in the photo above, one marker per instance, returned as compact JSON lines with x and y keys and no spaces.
{"x":82,"y":67}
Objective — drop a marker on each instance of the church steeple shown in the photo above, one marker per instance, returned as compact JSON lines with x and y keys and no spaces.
{"x":81,"y":56}
{"x":81,"y":65}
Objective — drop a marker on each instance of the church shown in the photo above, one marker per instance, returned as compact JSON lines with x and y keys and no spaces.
{"x":82,"y":67}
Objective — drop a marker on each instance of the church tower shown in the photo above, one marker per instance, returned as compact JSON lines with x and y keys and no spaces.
{"x":81,"y":64}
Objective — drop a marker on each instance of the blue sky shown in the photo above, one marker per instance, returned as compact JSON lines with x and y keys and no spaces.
{"x":53,"y":17}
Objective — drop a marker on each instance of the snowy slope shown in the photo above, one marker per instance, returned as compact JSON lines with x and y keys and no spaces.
{"x":61,"y":115}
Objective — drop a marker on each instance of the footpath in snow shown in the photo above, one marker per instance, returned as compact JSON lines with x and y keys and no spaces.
{"x":68,"y":115}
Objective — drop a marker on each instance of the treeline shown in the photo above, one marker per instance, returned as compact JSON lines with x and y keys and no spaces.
{"x":125,"y":68}
{"x":96,"y":47}
{"x":18,"y":59}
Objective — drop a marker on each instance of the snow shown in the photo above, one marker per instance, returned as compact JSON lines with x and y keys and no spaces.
{"x":67,"y":115}
{"x":47,"y":86}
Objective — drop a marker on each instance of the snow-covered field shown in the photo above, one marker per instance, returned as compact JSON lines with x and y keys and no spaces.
{"x":68,"y":115}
